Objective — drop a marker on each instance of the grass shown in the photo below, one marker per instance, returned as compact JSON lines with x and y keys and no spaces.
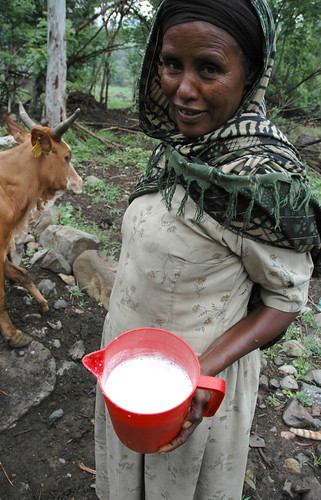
{"x":120,"y":97}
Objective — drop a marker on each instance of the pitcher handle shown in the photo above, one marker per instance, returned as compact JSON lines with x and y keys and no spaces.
{"x":217,"y":387}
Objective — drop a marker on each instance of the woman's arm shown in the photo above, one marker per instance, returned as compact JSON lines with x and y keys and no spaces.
{"x":255,"y":330}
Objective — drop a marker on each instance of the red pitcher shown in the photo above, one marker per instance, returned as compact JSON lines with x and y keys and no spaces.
{"x":142,"y":432}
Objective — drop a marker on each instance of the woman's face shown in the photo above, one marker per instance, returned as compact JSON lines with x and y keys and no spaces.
{"x":202,"y":76}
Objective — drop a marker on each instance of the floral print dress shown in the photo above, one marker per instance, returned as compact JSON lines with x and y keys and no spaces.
{"x":195,"y":280}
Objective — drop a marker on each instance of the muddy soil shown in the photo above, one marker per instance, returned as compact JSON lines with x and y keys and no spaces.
{"x":50,"y":459}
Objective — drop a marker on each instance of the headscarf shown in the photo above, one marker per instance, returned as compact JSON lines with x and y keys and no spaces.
{"x":236,"y":17}
{"x":245,"y":174}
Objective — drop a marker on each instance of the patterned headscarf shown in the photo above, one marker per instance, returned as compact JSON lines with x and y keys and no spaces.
{"x":245,"y":174}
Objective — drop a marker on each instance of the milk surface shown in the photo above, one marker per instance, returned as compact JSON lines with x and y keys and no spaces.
{"x":147,"y":384}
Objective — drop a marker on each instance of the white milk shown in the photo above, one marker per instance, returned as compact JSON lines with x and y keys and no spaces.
{"x":147,"y":384}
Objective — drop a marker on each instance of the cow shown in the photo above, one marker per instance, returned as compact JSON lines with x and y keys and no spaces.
{"x":31,"y":174}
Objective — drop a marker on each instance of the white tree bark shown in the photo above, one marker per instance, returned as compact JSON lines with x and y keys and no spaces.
{"x":55,"y":101}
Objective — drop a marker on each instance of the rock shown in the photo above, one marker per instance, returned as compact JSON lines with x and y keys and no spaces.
{"x":55,"y":262}
{"x":293,"y":466}
{"x":313,"y":392}
{"x":274,"y":384}
{"x":314,"y":487}
{"x":68,"y":241}
{"x":38,"y":256}
{"x":77,"y":351}
{"x":295,"y":415}
{"x":317,"y":318}
{"x":27,"y":381}
{"x":256,"y":441}
{"x":93,"y":179}
{"x":288,"y":435}
{"x":96,"y":273}
{"x":278,"y":361}
{"x":7,"y":140}
{"x":32,"y":246}
{"x":56,"y":343}
{"x":288,"y":369}
{"x":68,"y":279}
{"x":66,"y":366}
{"x":55,"y":326}
{"x":60,"y":304}
{"x":56,"y":414}
{"x":47,"y":288}
{"x":263,"y":383}
{"x":294,"y":348}
{"x":314,"y":376}
{"x":289,"y":383}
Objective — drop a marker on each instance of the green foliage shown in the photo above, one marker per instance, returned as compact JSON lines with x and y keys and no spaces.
{"x":303,"y":365}
{"x":299,"y":395}
{"x":296,"y":80}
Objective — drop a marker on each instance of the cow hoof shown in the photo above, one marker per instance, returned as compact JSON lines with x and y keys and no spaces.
{"x":44,"y":306}
{"x":20,"y":340}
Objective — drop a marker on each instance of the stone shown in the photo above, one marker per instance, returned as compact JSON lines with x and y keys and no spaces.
{"x":31,"y":378}
{"x":293,"y":466}
{"x":68,"y":241}
{"x":314,"y":487}
{"x":47,"y":288}
{"x":274,"y":384}
{"x":56,"y":262}
{"x":288,"y":435}
{"x":317,"y":318}
{"x":294,"y":348}
{"x":256,"y":441}
{"x":314,"y":376}
{"x":68,"y":279}
{"x":96,"y":274}
{"x":60,"y":304}
{"x":278,"y":361}
{"x":66,"y":366}
{"x":56,"y":414}
{"x":38,"y":256}
{"x":289,"y":383}
{"x":295,"y":415}
{"x":264,"y":383}
{"x":93,"y":179}
{"x":77,"y":351}
{"x":288,"y":369}
{"x":313,"y":392}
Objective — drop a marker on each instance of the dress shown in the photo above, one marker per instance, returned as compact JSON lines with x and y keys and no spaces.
{"x":193,"y":279}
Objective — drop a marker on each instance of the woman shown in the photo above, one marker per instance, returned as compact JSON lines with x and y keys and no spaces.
{"x":212,"y":216}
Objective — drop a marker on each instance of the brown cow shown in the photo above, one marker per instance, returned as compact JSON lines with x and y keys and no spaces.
{"x":31,"y":174}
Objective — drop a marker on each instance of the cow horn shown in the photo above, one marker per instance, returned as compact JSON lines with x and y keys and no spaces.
{"x":25,"y":117}
{"x":56,"y":133}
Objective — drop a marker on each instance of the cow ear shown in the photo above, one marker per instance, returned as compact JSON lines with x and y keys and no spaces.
{"x":40,"y":141}
{"x":17,"y":132}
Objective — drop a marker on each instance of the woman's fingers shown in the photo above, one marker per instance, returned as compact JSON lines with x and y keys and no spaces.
{"x":192,"y":420}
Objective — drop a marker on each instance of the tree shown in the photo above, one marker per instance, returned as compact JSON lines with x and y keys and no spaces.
{"x":54,"y":110}
{"x":296,"y":79}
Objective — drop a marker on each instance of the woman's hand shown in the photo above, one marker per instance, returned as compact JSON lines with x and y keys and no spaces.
{"x":193,"y":417}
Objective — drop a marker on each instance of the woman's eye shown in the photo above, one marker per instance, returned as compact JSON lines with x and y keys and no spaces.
{"x":209,"y":69}
{"x":172,"y":64}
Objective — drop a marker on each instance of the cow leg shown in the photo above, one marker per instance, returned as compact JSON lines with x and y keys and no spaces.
{"x":21,"y":276}
{"x":15,"y":337}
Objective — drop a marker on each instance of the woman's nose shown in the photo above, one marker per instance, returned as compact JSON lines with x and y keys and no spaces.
{"x":187,"y":88}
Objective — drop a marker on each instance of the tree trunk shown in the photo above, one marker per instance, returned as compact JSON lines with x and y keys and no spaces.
{"x":55,"y":101}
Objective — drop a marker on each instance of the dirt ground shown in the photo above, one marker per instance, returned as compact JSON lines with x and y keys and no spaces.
{"x":49,"y":459}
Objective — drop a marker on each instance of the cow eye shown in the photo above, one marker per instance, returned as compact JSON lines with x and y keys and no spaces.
{"x":67,"y":158}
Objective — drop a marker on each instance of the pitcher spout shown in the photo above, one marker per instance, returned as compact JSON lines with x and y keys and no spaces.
{"x":94,"y":362}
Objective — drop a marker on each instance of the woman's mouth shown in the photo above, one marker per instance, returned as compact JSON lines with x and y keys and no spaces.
{"x":188,"y":114}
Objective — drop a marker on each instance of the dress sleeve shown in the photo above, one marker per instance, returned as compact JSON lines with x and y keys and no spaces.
{"x":283,"y":274}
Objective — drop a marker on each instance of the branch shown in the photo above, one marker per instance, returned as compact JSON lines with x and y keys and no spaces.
{"x":105,"y":141}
